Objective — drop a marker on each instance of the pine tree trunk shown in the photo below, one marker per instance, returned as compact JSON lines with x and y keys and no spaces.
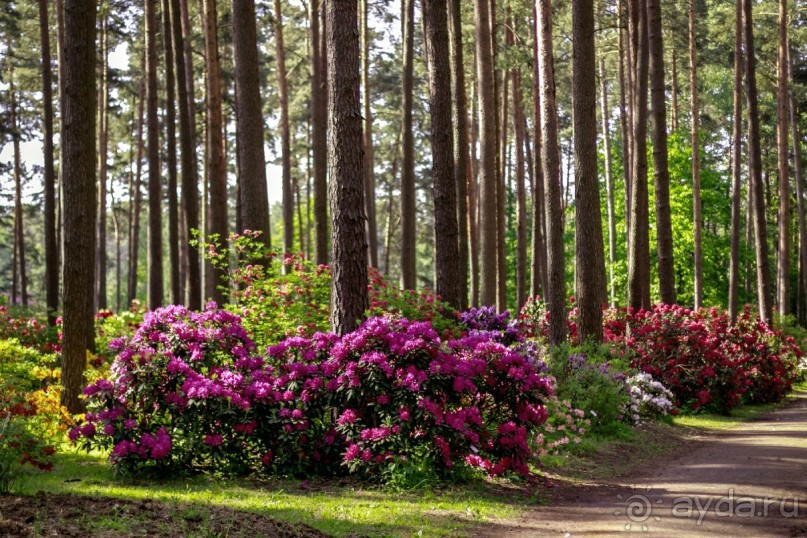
{"x":589,"y":263}
{"x":521,"y":194}
{"x":696,"y":165}
{"x":319,"y":122}
{"x":345,"y":167}
{"x":500,"y":105}
{"x":539,"y":282}
{"x":473,"y":198}
{"x":639,"y":252}
{"x":103,"y":106}
{"x":118,"y":272}
{"x":798,"y":178}
{"x":408,"y":212}
{"x":626,"y":105}
{"x":253,"y":198}
{"x":285,"y":133}
{"x":187,"y":144}
{"x":135,"y":199}
{"x":60,"y":96}
{"x":78,"y":167}
{"x":674,"y":88}
{"x":736,"y":172}
{"x":609,"y":183}
{"x":49,"y":179}
{"x":755,"y":170}
{"x":446,"y":232}
{"x":216,"y":165}
{"x":171,"y":153}
{"x":19,"y":231}
{"x":550,"y":157}
{"x":155,"y":251}
{"x":459,"y":114}
{"x":664,"y":233}
{"x":783,"y":267}
{"x":487,"y":162}
{"x":369,"y":160}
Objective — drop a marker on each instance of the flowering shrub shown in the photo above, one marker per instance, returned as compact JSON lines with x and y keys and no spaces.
{"x":768,"y":358}
{"x":176,"y":396}
{"x":188,"y":389}
{"x":28,"y":331}
{"x":702,"y":359}
{"x":649,"y":399}
{"x":29,"y":425}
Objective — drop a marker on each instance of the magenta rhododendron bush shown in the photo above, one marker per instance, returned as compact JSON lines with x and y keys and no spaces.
{"x":704,"y":360}
{"x":191,"y":390}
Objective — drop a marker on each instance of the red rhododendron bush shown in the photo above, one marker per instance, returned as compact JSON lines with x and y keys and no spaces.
{"x":192,"y":390}
{"x":705,"y":361}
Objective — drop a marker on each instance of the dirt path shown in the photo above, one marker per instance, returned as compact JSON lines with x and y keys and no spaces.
{"x":747,"y":481}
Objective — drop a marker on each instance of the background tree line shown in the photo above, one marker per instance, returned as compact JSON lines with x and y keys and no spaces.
{"x":509,"y":141}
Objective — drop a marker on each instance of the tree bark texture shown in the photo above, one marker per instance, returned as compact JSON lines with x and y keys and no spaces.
{"x":253,"y":200}
{"x":369,"y":154}
{"x":589,"y":263}
{"x":446,"y":232}
{"x":459,"y":114}
{"x":783,"y":267}
{"x":609,"y":182}
{"x":49,"y":179}
{"x":696,"y":165}
{"x":78,"y":167}
{"x":190,"y":183}
{"x":136,"y":200}
{"x":487,"y":157}
{"x":550,"y":157}
{"x":345,"y":168}
{"x":736,"y":173}
{"x":285,"y":132}
{"x":408,"y":212}
{"x":19,"y":230}
{"x":661,"y":170}
{"x":216,"y":166}
{"x":319,"y":121}
{"x":171,"y":158}
{"x":798,"y":178}
{"x":539,"y":283}
{"x":639,"y":251}
{"x":155,"y":251}
{"x":103,"y":105}
{"x":521,"y":193}
{"x":764,"y":302}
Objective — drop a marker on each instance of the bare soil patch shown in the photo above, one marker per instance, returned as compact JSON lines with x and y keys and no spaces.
{"x":79,"y":516}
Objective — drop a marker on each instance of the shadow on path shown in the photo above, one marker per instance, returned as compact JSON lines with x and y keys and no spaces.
{"x":747,"y":481}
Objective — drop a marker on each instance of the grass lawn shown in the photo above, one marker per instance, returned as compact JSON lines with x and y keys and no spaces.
{"x":349,"y":508}
{"x":339,"y":508}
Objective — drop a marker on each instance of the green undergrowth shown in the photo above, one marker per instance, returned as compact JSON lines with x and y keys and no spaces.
{"x":615,"y":453}
{"x":336,"y":507}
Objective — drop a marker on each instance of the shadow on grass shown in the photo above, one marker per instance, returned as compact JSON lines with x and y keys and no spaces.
{"x":336,"y":507}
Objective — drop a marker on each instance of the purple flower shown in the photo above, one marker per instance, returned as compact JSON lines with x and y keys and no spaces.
{"x":214,"y":439}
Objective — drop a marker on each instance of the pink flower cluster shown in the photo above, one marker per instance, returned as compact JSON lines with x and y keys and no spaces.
{"x":189,"y":389}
